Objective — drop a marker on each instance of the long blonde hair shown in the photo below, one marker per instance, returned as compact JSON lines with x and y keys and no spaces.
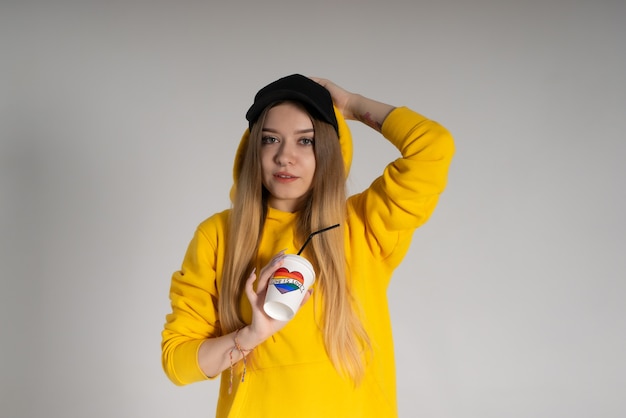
{"x":345,"y":338}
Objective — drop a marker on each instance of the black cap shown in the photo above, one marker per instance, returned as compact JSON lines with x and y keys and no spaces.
{"x":314,"y":97}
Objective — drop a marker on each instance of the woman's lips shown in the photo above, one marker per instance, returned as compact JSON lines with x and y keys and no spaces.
{"x":285,"y":177}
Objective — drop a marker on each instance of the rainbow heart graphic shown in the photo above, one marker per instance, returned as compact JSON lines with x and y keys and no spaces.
{"x":287,"y":281}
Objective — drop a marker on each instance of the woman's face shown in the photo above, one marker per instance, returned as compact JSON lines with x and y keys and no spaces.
{"x":287,"y":155}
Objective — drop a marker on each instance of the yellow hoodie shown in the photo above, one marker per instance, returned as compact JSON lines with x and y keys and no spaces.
{"x":291,"y":374}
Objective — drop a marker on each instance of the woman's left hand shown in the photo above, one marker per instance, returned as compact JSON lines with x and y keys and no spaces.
{"x":341,"y":97}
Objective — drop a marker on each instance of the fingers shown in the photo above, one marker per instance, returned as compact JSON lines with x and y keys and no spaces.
{"x":306,"y":297}
{"x":264,"y":275}
{"x":327,"y":84}
{"x":269,"y":269}
{"x":250,"y":286}
{"x":340,"y":96}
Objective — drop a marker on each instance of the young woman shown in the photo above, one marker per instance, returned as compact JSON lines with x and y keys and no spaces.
{"x":335,"y":357}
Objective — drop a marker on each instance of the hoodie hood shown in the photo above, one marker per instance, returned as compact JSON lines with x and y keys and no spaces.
{"x":345,"y":141}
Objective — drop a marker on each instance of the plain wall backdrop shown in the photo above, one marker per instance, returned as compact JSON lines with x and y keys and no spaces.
{"x":119,"y":122}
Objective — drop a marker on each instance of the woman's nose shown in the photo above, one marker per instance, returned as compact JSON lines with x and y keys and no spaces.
{"x":285,"y":154}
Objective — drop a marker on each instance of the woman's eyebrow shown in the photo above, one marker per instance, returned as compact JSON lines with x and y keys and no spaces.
{"x":301,"y":131}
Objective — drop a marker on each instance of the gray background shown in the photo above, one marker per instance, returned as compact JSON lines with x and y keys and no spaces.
{"x":119,"y":122}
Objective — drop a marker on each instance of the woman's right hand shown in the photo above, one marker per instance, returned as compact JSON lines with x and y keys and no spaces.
{"x":263,"y":326}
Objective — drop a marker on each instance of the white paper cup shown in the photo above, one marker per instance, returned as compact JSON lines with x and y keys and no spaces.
{"x":287,"y":287}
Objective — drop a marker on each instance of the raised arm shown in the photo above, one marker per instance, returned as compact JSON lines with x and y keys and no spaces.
{"x":404,"y":196}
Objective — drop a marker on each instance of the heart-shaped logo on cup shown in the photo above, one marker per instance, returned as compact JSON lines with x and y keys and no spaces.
{"x":287,"y":281}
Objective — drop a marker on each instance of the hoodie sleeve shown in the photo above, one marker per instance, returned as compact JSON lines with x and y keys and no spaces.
{"x":405,"y":195}
{"x":194,"y":318}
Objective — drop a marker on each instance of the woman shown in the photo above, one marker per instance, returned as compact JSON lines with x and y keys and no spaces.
{"x":335,"y":357}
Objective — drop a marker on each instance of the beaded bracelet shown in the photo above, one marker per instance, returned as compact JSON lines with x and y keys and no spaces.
{"x":243,"y":352}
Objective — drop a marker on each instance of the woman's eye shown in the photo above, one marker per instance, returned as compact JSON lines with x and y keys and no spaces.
{"x":307,"y":141}
{"x":268,"y":140}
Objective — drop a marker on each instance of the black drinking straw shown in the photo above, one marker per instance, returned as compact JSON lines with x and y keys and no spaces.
{"x":315,"y":233}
